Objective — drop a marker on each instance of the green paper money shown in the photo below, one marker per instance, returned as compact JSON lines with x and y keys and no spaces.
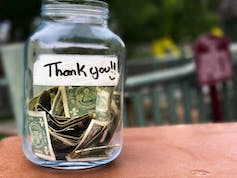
{"x":38,"y":128}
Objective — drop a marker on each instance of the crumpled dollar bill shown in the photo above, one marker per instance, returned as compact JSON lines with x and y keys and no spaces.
{"x":74,"y":123}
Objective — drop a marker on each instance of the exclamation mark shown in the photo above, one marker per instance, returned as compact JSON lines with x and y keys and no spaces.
{"x":114,"y":66}
{"x":113,"y":70}
{"x":111,"y":65}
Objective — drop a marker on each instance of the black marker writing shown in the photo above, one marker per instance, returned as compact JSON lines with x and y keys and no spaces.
{"x":111,"y":78}
{"x":57,"y":69}
{"x":96,"y":71}
{"x":50,"y":67}
{"x":60,"y":72}
{"x":81,"y":69}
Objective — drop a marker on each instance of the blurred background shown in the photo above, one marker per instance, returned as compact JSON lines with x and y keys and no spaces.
{"x":159,"y":37}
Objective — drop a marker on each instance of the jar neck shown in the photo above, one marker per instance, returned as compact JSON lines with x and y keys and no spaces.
{"x":76,"y":11}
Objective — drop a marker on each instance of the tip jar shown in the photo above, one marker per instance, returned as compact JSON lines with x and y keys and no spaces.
{"x":74,"y":85}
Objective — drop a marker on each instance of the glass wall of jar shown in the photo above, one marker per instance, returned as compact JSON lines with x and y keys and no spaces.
{"x":74,"y":80}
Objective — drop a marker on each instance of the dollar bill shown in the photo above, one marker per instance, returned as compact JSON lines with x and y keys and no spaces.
{"x":78,"y":101}
{"x":32,"y":104}
{"x":117,"y":97}
{"x":115,"y":122}
{"x":92,"y":153}
{"x":53,"y":92}
{"x":38,"y":129}
{"x":94,"y":149}
{"x":65,"y":139}
{"x":94,"y":130}
{"x":103,"y":102}
{"x":60,"y":148}
{"x":79,"y":121}
{"x":57,"y":106}
{"x":75,"y":130}
{"x":90,"y":157}
{"x":60,"y":124}
{"x":45,"y":99}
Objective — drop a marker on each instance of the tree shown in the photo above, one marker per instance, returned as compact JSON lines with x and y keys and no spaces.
{"x":142,"y":20}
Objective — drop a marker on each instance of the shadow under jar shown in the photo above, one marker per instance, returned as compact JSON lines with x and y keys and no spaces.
{"x":74,"y":85}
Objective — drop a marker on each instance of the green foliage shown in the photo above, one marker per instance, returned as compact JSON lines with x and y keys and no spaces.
{"x":135,"y":20}
{"x":143,"y":20}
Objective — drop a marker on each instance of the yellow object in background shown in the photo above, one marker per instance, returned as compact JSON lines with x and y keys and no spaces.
{"x":165,"y":47}
{"x":217,"y":31}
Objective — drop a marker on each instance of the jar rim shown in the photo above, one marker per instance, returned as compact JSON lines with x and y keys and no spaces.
{"x":80,"y":11}
{"x":97,"y":3}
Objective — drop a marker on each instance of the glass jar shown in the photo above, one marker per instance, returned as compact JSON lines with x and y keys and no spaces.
{"x":74,"y":85}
